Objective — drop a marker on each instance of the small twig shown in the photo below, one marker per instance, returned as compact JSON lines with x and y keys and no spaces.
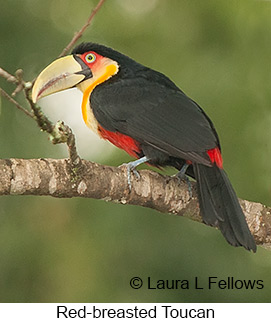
{"x":58,"y":133}
{"x":63,"y":134}
{"x":17,"y":79}
{"x":7,"y":76}
{"x":79,"y":34}
{"x":20,"y":82}
{"x":43,"y":122}
{"x":18,"y":106}
{"x":74,"y":157}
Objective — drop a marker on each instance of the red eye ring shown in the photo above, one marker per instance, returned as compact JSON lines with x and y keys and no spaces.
{"x":90,"y":58}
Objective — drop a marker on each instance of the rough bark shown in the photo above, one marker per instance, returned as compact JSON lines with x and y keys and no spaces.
{"x":57,"y":178}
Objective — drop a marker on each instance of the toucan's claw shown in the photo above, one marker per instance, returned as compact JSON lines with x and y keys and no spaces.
{"x":131,"y":168}
{"x":183,"y":177}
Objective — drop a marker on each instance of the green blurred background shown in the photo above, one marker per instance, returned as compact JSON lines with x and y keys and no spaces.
{"x":82,"y":250}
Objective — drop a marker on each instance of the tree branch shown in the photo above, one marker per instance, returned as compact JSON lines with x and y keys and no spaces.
{"x":165,"y":194}
{"x":79,"y":34}
{"x":17,"y":105}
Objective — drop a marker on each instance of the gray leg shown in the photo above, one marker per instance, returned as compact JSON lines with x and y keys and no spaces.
{"x":131,"y":167}
{"x":181,"y":175}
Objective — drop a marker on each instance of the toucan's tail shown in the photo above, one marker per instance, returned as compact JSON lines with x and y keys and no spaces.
{"x":220,"y":207}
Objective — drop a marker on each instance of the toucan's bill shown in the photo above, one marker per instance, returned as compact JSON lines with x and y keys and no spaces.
{"x":64,"y":73}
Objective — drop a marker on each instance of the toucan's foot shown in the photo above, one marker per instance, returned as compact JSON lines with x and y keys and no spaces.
{"x":183,"y":177}
{"x":131,"y":168}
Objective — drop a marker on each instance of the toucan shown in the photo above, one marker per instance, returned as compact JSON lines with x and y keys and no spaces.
{"x":143,"y":112}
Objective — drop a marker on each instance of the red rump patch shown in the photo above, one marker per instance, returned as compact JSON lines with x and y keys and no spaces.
{"x":215,"y":156}
{"x":121,"y":141}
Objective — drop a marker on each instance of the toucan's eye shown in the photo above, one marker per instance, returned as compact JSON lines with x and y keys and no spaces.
{"x":90,"y":58}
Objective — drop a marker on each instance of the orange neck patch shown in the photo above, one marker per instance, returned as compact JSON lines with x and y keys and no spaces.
{"x":100,"y":75}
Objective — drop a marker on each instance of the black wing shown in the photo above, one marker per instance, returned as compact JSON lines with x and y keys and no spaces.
{"x":157,"y":115}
